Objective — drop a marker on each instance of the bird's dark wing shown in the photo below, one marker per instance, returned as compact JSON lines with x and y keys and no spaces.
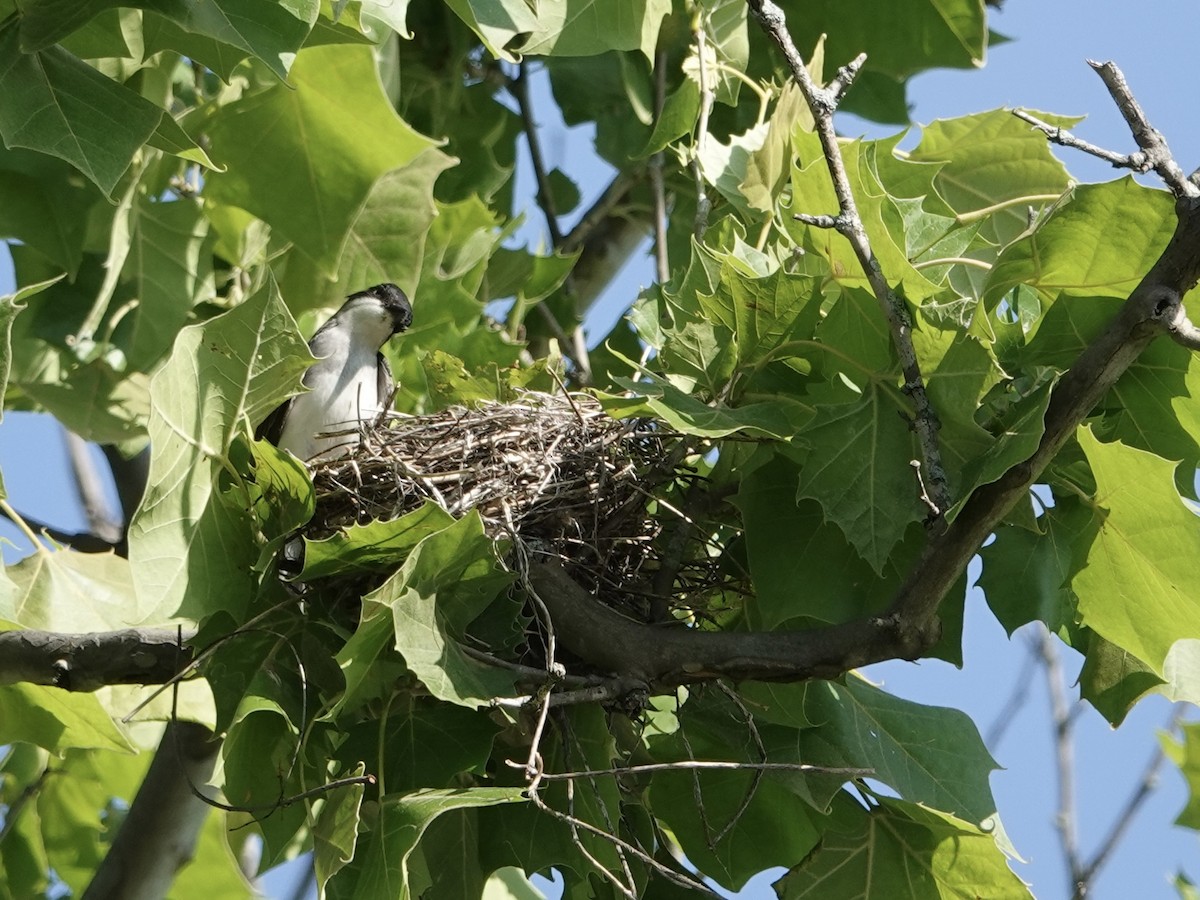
{"x":385,"y":384}
{"x":271,"y":428}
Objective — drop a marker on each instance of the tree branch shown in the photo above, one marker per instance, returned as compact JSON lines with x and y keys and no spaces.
{"x":159,"y":835}
{"x":822,"y":102}
{"x":1154,"y":146}
{"x":85,"y":662}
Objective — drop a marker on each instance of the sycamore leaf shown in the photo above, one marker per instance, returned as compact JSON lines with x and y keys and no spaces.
{"x":789,"y":545}
{"x":1026,"y":574}
{"x":1138,"y":588}
{"x":335,"y":833}
{"x":1077,"y":249}
{"x":320,"y":146}
{"x":63,"y":590}
{"x":590,"y":27}
{"x":10,"y":305}
{"x":901,"y":849}
{"x":993,"y":160}
{"x":857,"y":467}
{"x":191,"y":541}
{"x":57,"y":104}
{"x":56,"y":719}
{"x":272,"y":32}
{"x":173,"y":271}
{"x":381,"y":867}
{"x":373,"y":545}
{"x":445,"y":582}
{"x":779,"y":418}
{"x":928,"y":754}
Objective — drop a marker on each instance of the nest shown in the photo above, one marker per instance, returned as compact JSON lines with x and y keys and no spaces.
{"x":553,"y":474}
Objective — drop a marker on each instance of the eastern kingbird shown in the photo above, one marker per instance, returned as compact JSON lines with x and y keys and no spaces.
{"x":349,"y":383}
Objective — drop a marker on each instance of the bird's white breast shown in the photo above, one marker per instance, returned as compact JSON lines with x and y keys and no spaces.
{"x":343,"y":392}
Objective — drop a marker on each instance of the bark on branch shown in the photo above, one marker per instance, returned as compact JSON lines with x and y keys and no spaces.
{"x":822,"y":102}
{"x":85,"y":662}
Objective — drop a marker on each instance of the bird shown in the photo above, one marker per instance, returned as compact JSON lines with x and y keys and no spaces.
{"x":351,"y":381}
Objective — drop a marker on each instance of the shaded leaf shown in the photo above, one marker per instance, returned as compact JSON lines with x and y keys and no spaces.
{"x":901,"y":849}
{"x":192,"y":548}
{"x":322,"y":143}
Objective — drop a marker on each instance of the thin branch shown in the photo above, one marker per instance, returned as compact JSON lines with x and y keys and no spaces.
{"x":1064,"y":138}
{"x":707,"y":98}
{"x":661,"y":261}
{"x":1066,"y":818}
{"x":1021,"y":686}
{"x":822,"y":103}
{"x":618,"y":189}
{"x":703,"y":764}
{"x":573,"y":347}
{"x":545,"y":195}
{"x":90,"y":490}
{"x":685,"y":881}
{"x":83,"y":541}
{"x":1157,"y":154}
{"x":1123,"y":819}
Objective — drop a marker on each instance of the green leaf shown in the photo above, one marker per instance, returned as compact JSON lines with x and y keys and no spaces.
{"x":901,"y":849}
{"x":335,"y":833}
{"x":48,"y":213}
{"x":56,"y":719}
{"x":789,"y":546}
{"x":171,"y":259}
{"x":445,"y":582}
{"x":10,"y":305}
{"x":1186,"y":755}
{"x":429,"y":744}
{"x":950,"y":33}
{"x":995,"y":165}
{"x":372,"y":546}
{"x":320,"y":146}
{"x":1019,"y":438}
{"x":271,"y":32}
{"x":1138,"y":588}
{"x":381,"y":867}
{"x":62,"y":590}
{"x":1077,"y":249}
{"x":777,"y":419}
{"x":59,"y":105}
{"x":928,"y":754}
{"x":1113,"y":680}
{"x":857,"y":465}
{"x":1026,"y":573}
{"x":590,"y":27}
{"x":192,"y":549}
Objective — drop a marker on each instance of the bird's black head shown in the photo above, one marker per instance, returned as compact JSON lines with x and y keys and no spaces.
{"x":394,"y":301}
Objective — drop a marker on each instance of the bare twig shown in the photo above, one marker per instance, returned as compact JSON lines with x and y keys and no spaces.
{"x":679,"y":878}
{"x":545,"y":195}
{"x":1154,"y":146}
{"x":573,"y":347}
{"x":1066,"y":818}
{"x":90,"y":490}
{"x":707,"y":97}
{"x":1064,"y":138}
{"x":822,"y":102}
{"x":1021,"y":685}
{"x":1123,"y":819}
{"x":661,"y":262}
{"x":83,"y":541}
{"x":707,"y":764}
